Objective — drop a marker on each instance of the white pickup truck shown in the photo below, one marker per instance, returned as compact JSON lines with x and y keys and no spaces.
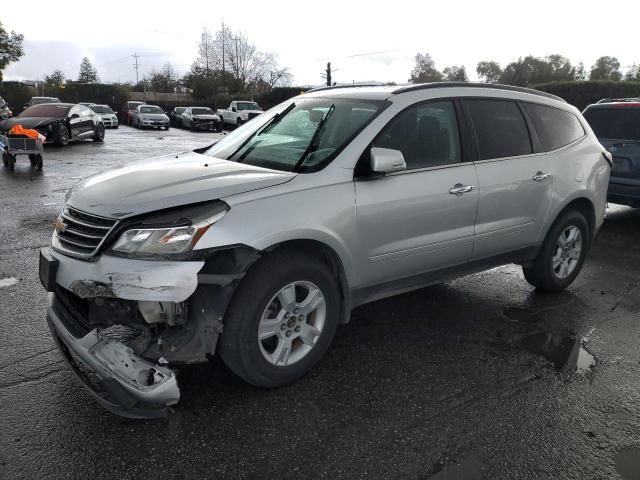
{"x":240,"y":112}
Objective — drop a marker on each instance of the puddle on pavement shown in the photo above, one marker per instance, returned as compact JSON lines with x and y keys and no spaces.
{"x":7,"y":282}
{"x":566,"y":352}
{"x":628,"y":463}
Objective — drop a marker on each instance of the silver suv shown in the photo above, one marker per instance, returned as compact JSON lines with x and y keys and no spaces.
{"x":259,"y":246}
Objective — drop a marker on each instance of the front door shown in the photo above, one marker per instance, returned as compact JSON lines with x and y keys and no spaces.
{"x":420,"y":219}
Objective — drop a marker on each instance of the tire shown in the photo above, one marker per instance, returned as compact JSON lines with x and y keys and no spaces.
{"x":5,"y":158}
{"x":32,"y":160}
{"x":239,"y":122}
{"x":98,"y":133}
{"x":38,"y":161}
{"x":239,"y":346}
{"x":61,"y":135}
{"x":556,"y":267}
{"x":11,"y":161}
{"x":167,"y":127}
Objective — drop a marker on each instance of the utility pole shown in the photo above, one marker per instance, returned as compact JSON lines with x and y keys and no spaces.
{"x":135,"y":55}
{"x":328,"y":74}
{"x":223,"y":40}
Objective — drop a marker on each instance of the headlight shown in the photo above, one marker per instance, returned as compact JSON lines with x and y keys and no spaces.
{"x":172,"y":232}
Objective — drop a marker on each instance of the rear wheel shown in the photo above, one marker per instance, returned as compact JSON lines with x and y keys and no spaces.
{"x":562,"y":253}
{"x":281,"y":320}
{"x":38,"y":161}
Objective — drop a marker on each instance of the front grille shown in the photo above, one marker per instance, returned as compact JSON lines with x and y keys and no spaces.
{"x":82,"y":234}
{"x":73,"y":312}
{"x":253,"y":115}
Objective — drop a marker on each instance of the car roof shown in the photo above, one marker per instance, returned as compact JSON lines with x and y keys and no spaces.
{"x":383,"y":92}
{"x":57,"y":104}
{"x":621,"y":104}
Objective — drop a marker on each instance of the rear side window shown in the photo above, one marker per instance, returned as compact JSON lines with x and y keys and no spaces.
{"x":501,"y":130}
{"x":615,"y":123}
{"x":556,"y":128}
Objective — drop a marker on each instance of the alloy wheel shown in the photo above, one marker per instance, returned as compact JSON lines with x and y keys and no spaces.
{"x":292,"y":323}
{"x":567,"y":252}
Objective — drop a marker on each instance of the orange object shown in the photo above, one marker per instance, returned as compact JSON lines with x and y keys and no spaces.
{"x":20,"y":130}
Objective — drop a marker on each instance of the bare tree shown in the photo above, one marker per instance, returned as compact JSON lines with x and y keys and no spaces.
{"x":205,"y":64}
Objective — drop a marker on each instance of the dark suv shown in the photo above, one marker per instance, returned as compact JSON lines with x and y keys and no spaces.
{"x":616,"y":123}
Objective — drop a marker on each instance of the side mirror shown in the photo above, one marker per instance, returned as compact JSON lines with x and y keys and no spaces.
{"x":386,"y":160}
{"x":75,"y":115}
{"x":233,"y":109}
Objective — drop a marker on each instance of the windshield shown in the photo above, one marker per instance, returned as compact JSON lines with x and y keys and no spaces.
{"x":101,"y":109}
{"x":615,"y":123}
{"x":247,"y":106}
{"x":55,"y":111}
{"x":201,"y":111}
{"x":151,"y":110}
{"x":297,"y":136}
{"x":134,"y":105}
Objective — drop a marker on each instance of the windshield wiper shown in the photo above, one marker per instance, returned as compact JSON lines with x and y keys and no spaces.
{"x":314,"y":144}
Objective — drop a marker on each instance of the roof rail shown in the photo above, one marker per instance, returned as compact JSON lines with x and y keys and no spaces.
{"x":334,"y":87}
{"x":496,"y":86}
{"x":611,"y":100}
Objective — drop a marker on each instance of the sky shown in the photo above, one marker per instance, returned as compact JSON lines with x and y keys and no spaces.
{"x":364,"y":41}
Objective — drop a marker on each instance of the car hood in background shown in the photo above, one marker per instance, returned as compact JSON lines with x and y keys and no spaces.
{"x":153,"y":116}
{"x":27,"y":122}
{"x":167,"y":182}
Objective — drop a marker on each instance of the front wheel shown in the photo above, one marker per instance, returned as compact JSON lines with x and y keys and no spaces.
{"x":281,"y":320}
{"x":61,"y":135}
{"x":98,"y":133}
{"x":562,"y":253}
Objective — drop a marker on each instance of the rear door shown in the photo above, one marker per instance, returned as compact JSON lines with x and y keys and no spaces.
{"x":515,"y":183}
{"x":75,"y":120}
{"x":412,"y":222}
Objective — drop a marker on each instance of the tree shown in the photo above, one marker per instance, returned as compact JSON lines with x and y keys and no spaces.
{"x":581,"y":73}
{"x":88,"y":73}
{"x":533,"y":70}
{"x":489,"y":71}
{"x":10,"y":48}
{"x":205,"y":63}
{"x":606,"y":68}
{"x":164,"y":80}
{"x":455,"y":74}
{"x":633,"y":73}
{"x":559,"y":69}
{"x":425,"y":70}
{"x":56,"y":79}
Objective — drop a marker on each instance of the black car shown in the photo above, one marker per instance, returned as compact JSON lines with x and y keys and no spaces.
{"x":59,"y":122}
{"x":175,"y":117}
{"x":201,"y":118}
{"x":616,"y":123}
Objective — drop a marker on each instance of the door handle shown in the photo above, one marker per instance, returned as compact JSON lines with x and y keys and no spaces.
{"x":459,"y":189}
{"x":539,"y":177}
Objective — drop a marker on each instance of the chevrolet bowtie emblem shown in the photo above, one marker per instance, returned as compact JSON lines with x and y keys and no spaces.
{"x":60,"y":226}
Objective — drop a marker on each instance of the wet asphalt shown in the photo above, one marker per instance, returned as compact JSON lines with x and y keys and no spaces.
{"x":477,"y":378}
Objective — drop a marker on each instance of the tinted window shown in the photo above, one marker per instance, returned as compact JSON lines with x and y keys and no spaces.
{"x":56,"y":111}
{"x":501,"y":130}
{"x":556,"y":128}
{"x":615,"y":123}
{"x":101,"y":109}
{"x":247,"y":106}
{"x":427,"y":135}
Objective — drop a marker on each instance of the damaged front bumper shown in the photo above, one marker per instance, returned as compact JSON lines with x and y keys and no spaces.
{"x":120,"y":381}
{"x":120,"y":323}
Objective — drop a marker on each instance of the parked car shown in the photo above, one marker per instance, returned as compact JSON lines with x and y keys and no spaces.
{"x":5,"y":111}
{"x":39,"y":100}
{"x":616,"y":123}
{"x":60,"y":123}
{"x":127,"y":112}
{"x":150,"y":116}
{"x":240,"y":112}
{"x":175,"y":117}
{"x":109,"y":118}
{"x":201,"y":118}
{"x":258,"y":247}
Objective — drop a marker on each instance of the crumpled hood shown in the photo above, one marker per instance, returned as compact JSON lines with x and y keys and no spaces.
{"x":166,"y":182}
{"x":206,"y":117}
{"x":27,"y":122}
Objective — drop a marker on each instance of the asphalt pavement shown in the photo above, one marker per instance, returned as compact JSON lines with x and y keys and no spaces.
{"x":477,"y":378}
